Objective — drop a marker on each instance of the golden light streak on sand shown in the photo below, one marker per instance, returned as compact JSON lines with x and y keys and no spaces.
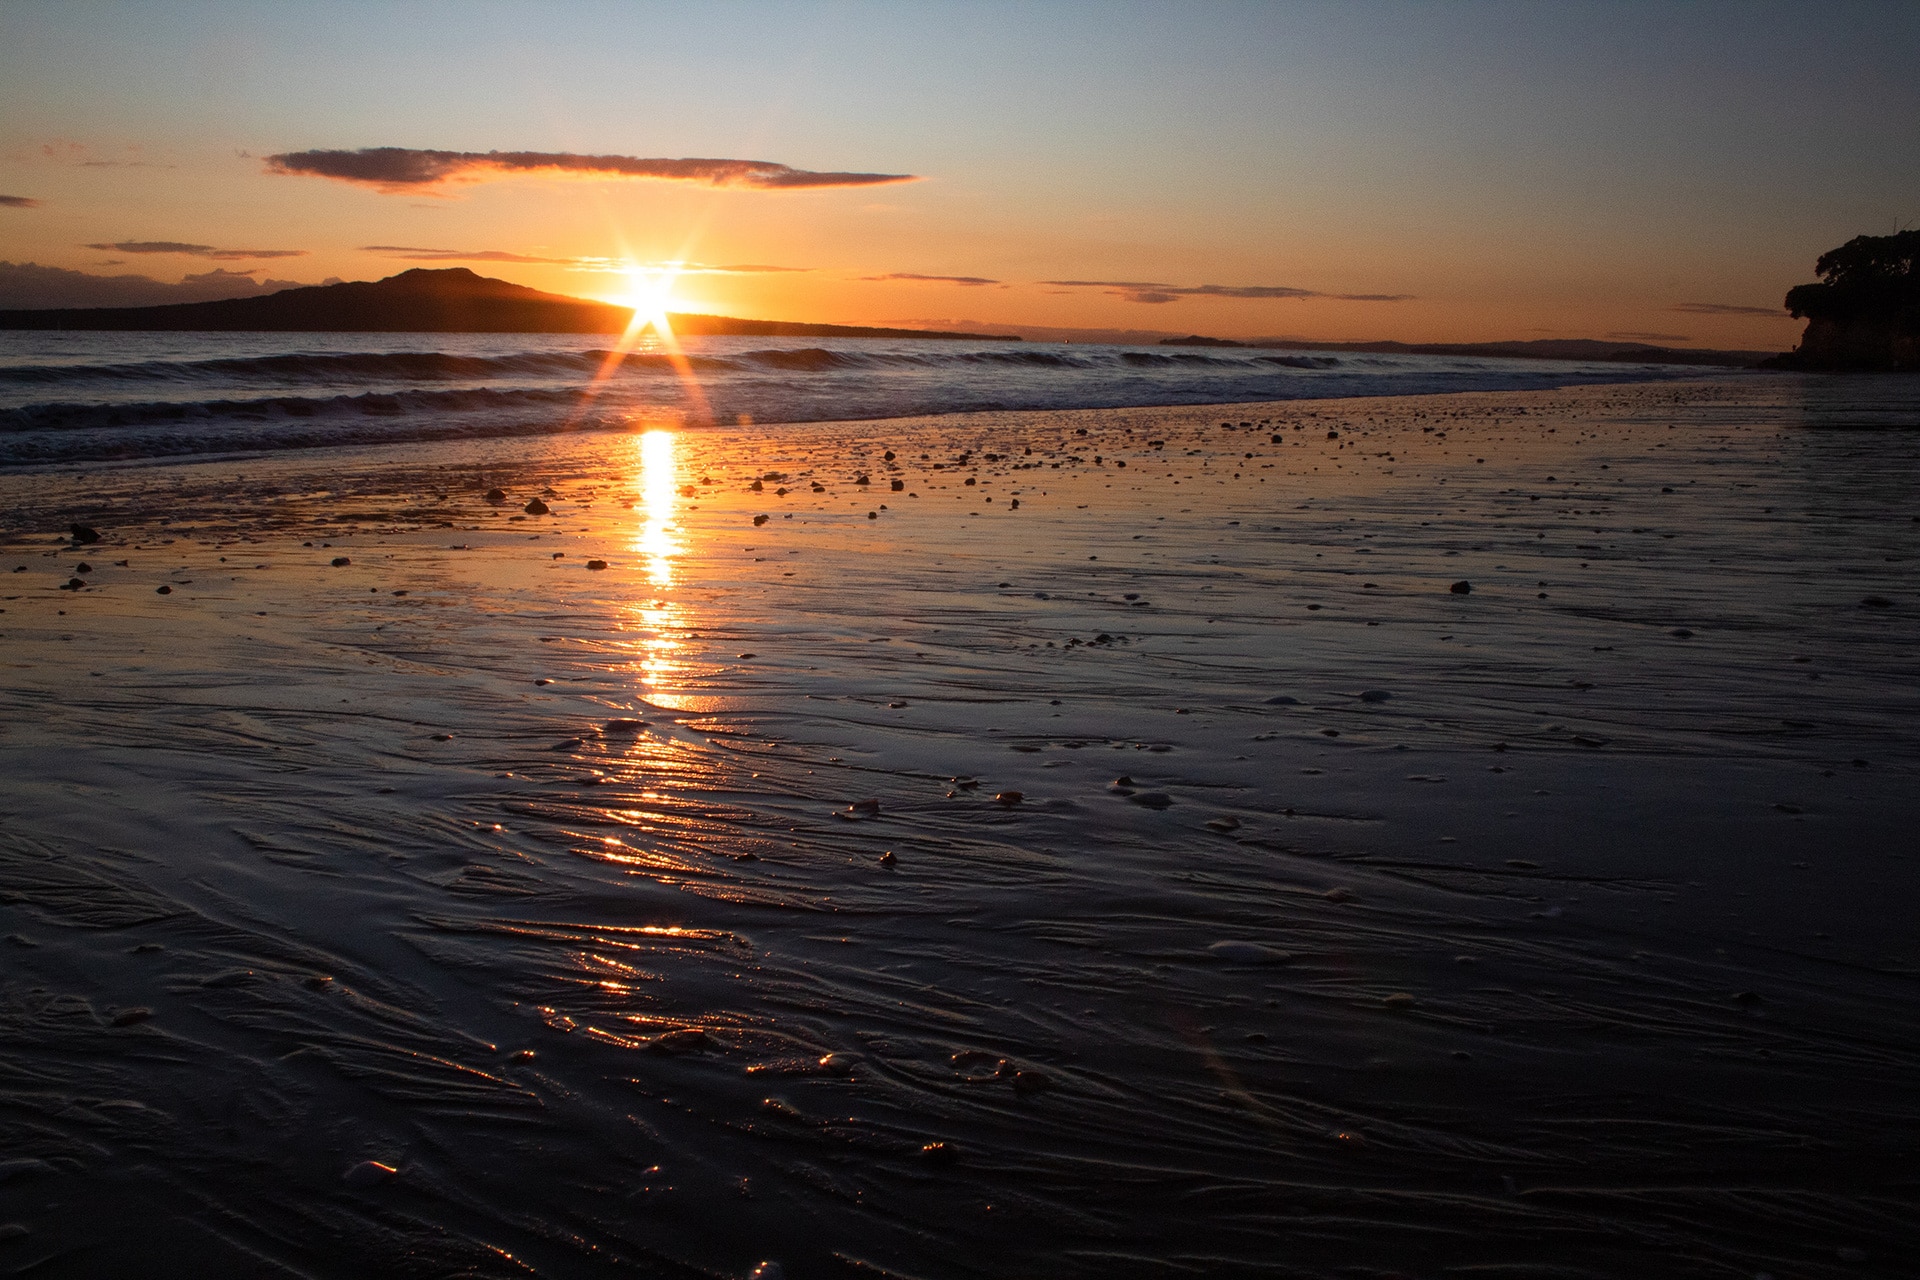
{"x":657,"y":482}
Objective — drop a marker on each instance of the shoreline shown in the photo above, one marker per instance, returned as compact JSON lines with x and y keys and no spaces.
{"x":987,"y":419}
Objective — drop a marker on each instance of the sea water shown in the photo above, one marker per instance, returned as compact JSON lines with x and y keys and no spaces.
{"x":67,"y":397}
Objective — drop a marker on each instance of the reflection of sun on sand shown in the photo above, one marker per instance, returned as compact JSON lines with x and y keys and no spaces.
{"x":656,"y":540}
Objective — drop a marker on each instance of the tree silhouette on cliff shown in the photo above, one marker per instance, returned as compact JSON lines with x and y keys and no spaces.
{"x":1864,"y":313}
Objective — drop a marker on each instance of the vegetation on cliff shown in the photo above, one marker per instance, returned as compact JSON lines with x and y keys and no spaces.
{"x":1865,"y":311}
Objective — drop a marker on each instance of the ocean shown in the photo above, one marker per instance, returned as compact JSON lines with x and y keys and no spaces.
{"x":79,"y":397}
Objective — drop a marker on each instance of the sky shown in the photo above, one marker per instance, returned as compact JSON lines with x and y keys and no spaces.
{"x":1426,"y":172}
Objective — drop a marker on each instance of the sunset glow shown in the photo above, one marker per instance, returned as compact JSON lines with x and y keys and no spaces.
{"x":649,"y":292}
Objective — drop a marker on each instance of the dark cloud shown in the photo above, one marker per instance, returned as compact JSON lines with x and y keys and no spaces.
{"x":1651,"y":337}
{"x":1728,"y":309}
{"x":195,"y":250}
{"x":410,"y":253}
{"x":914,"y":275}
{"x":403,"y":168}
{"x":18,"y":202}
{"x":29,"y":286}
{"x":1154,"y":292}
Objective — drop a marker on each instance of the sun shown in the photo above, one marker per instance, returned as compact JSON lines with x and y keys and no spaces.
{"x":650,"y":294}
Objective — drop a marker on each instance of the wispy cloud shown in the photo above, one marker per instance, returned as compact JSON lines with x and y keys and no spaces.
{"x":411,"y":253}
{"x":1728,"y":309}
{"x":18,"y":202}
{"x":418,"y":253}
{"x":914,"y":275}
{"x":395,"y":169}
{"x":1650,"y":337}
{"x":1153,"y":292}
{"x":195,"y":250}
{"x":27,"y":285}
{"x":680,"y":267}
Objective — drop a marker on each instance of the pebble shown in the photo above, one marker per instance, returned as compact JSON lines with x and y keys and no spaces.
{"x":368,"y":1173}
{"x":341,"y":562}
{"x":22,"y":1167}
{"x":496,"y":495}
{"x":127,"y":1017}
{"x":1282,"y":700}
{"x":1008,"y":798}
{"x":1234,"y":951}
{"x":81,"y":533}
{"x":682,"y":1040}
{"x":535,"y":507}
{"x":596,"y":565}
{"x":1031,"y":1081}
{"x":1153,"y":800}
{"x":621,"y":726}
{"x":1461,"y":588}
{"x":887,"y":859}
{"x":1375,"y":695}
{"x":163,"y":590}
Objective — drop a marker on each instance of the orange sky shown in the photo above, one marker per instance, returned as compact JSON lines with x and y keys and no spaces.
{"x":1425,"y":173}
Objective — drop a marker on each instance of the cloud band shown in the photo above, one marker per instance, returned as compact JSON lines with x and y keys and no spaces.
{"x":1150,"y":291}
{"x":195,"y":250}
{"x":408,"y":169}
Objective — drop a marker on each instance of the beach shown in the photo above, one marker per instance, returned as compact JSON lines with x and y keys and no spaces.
{"x":1415,"y":835}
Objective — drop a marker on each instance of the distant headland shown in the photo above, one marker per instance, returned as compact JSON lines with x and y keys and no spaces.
{"x":1864,"y":314}
{"x":1589,"y":349}
{"x":454,"y":300}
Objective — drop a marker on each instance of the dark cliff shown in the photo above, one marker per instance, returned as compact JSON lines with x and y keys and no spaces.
{"x":1864,"y":313}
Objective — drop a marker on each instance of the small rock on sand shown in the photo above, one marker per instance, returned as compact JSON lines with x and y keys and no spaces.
{"x":1235,"y":951}
{"x":81,"y":533}
{"x":1153,"y":800}
{"x":596,"y":565}
{"x":1375,"y":695}
{"x":368,"y":1173}
{"x":1008,"y":798}
{"x":128,"y":1017}
{"x":1461,"y":588}
{"x":341,"y":562}
{"x":163,"y":590}
{"x":1282,"y":700}
{"x":536,"y":508}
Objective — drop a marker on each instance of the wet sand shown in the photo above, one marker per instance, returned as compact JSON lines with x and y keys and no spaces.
{"x":1257,"y":903}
